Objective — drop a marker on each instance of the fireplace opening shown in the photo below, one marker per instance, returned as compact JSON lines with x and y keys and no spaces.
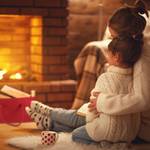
{"x":20,"y":40}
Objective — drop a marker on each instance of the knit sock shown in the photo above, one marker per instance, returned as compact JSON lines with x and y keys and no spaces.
{"x":42,"y":121}
{"x":40,"y":108}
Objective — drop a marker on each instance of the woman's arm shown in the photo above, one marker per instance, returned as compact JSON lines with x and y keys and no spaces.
{"x":138,"y":100}
{"x":120,"y":104}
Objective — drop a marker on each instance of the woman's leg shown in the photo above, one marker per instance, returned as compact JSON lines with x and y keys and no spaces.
{"x":80,"y":135}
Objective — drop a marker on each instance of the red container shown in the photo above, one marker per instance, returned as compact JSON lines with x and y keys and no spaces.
{"x":12,"y":110}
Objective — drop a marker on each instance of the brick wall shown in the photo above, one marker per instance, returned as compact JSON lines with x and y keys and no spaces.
{"x":48,"y":54}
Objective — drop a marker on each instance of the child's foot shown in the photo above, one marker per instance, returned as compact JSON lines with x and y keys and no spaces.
{"x":40,"y":108}
{"x":42,"y":121}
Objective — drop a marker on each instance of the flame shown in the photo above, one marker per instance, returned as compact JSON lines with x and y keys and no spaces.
{"x":16,"y":76}
{"x":2,"y":72}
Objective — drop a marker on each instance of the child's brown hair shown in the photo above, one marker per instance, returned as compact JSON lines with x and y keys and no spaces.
{"x":128,"y":49}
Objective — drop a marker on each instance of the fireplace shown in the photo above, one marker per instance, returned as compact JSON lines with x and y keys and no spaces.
{"x":21,"y":35}
{"x":33,"y":39}
{"x":33,"y":42}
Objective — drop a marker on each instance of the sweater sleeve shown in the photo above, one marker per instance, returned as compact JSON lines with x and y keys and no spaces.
{"x":106,"y":83}
{"x":138,"y":100}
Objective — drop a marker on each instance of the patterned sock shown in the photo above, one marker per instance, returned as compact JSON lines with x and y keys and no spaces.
{"x":40,"y":108}
{"x":42,"y":121}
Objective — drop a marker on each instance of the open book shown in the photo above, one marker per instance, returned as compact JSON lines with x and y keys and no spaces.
{"x":7,"y":92}
{"x":82,"y":111}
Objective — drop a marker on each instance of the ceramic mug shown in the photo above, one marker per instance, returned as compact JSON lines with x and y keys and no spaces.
{"x":48,"y":137}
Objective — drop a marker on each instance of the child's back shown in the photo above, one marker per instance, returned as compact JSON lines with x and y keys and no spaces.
{"x":115,"y":128}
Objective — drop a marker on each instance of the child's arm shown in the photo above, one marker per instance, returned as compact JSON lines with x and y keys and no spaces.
{"x":100,"y":86}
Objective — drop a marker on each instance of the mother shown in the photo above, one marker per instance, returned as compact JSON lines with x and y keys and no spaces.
{"x":139,"y":100}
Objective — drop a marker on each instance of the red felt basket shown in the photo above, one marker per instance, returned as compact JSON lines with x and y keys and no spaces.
{"x":12,"y":110}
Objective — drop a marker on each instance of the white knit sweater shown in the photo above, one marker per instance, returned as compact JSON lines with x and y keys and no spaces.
{"x":114,"y":128}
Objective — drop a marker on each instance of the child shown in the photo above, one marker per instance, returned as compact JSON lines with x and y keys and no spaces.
{"x":67,"y":120}
{"x":122,"y":52}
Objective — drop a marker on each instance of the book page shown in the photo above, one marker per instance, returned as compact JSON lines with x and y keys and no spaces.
{"x":14,"y":92}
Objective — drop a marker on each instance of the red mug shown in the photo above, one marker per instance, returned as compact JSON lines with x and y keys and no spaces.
{"x":49,"y":137}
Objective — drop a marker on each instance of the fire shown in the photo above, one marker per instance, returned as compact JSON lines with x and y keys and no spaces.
{"x":2,"y":72}
{"x":17,"y":76}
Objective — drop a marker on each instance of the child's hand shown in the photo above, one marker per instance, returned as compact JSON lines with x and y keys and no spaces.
{"x":92,"y":106}
{"x":93,"y":101}
{"x":95,"y":93}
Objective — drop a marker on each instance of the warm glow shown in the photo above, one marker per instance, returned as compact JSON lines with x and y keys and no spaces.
{"x":36,"y":30}
{"x":16,"y":76}
{"x":2,"y":72}
{"x":20,"y":42}
{"x":36,"y":21}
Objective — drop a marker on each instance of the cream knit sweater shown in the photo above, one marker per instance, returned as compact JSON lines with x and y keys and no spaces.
{"x":114,"y":128}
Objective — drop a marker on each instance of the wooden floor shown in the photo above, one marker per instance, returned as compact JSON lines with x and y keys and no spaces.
{"x":7,"y":131}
